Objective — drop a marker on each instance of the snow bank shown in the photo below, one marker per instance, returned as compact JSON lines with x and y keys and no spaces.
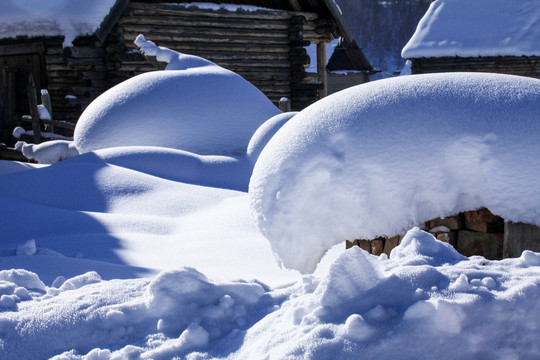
{"x":430,"y":302}
{"x":202,"y":108}
{"x":477,"y":28}
{"x":379,"y":158}
{"x":52,"y":18}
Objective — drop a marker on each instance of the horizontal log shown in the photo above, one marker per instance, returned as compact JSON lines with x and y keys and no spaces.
{"x":57,"y":123}
{"x":205,"y":31}
{"x":84,"y":52}
{"x":159,"y":37}
{"x":7,"y":153}
{"x":208,"y":23}
{"x":187,"y":47}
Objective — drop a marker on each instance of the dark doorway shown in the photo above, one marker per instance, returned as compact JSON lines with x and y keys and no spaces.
{"x":17,"y":61}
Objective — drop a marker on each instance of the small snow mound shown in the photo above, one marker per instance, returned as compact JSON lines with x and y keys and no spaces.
{"x":23,"y":278}
{"x":530,"y":258}
{"x":418,"y":245}
{"x":78,"y":282}
{"x":27,"y":249}
{"x":264,"y":133}
{"x":49,"y":152}
{"x":172,"y":296}
{"x":353,"y":273}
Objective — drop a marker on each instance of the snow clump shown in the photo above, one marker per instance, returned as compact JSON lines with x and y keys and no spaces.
{"x":379,"y":158}
{"x":196,"y":106}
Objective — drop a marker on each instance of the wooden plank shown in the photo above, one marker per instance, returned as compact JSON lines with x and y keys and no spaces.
{"x":32,"y":103}
{"x":219,"y":47}
{"x":321,"y":68}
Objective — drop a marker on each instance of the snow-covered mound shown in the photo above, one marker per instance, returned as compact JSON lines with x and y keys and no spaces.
{"x":203,"y":108}
{"x":381,"y":157}
{"x":426,"y":301}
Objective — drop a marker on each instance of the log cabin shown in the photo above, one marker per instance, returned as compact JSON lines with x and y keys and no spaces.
{"x":479,"y":36}
{"x":77,"y":54}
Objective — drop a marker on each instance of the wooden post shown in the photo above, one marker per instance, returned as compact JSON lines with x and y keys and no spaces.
{"x":284,"y":104}
{"x":321,"y":68}
{"x":32,"y":103}
{"x":46,"y":101}
{"x":8,"y":83}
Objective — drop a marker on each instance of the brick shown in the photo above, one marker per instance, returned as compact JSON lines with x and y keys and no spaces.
{"x":483,"y":220}
{"x":471,"y":243}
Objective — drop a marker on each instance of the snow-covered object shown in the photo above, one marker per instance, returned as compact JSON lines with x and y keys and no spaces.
{"x":378,"y":158}
{"x":203,"y":108}
{"x":264,"y":133}
{"x":52,"y":18}
{"x":477,"y":28}
{"x":48,"y":152}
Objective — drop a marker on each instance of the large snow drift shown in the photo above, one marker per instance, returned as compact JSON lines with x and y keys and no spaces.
{"x":198,"y":107}
{"x":381,"y":157}
{"x":454,"y":28}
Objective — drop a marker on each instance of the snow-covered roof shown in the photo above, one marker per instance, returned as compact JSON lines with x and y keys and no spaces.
{"x":52,"y":17}
{"x":469,"y":28}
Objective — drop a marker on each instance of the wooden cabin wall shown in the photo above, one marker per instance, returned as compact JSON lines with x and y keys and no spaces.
{"x":265,"y":47}
{"x":515,"y":65}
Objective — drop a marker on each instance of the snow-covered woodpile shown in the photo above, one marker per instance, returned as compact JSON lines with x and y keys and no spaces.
{"x":476,"y":232}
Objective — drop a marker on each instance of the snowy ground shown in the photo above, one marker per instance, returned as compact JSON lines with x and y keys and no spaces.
{"x":155,"y":253}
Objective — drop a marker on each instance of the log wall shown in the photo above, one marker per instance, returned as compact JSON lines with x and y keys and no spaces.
{"x":515,"y":65}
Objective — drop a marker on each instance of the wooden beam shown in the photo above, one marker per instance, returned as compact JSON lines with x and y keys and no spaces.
{"x":32,"y":103}
{"x":295,"y":5}
{"x":321,"y":68}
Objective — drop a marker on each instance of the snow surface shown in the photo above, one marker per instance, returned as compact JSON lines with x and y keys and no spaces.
{"x":139,"y":253}
{"x":477,"y":28}
{"x":196,"y":106}
{"x":377,"y":159}
{"x":52,"y":18}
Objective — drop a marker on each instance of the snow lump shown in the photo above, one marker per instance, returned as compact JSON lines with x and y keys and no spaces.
{"x":194,"y":105}
{"x":379,"y":158}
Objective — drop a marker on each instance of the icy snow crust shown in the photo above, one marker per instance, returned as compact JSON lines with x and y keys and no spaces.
{"x":429,"y":302}
{"x":52,"y":18}
{"x":477,"y":28}
{"x":381,"y":157}
{"x":194,"y":106}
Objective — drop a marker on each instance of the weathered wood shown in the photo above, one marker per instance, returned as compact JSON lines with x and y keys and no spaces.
{"x":207,"y":31}
{"x":32,"y":103}
{"x":84,"y":52}
{"x":222,"y":24}
{"x":57,"y":123}
{"x":160,"y":37}
{"x":21,"y":49}
{"x":519,"y":237}
{"x":8,"y":153}
{"x":321,"y":68}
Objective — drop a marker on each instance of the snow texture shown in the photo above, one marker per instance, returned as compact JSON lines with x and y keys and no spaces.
{"x":70,"y":19}
{"x":379,"y":158}
{"x":197,"y":107}
{"x":477,"y":28}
